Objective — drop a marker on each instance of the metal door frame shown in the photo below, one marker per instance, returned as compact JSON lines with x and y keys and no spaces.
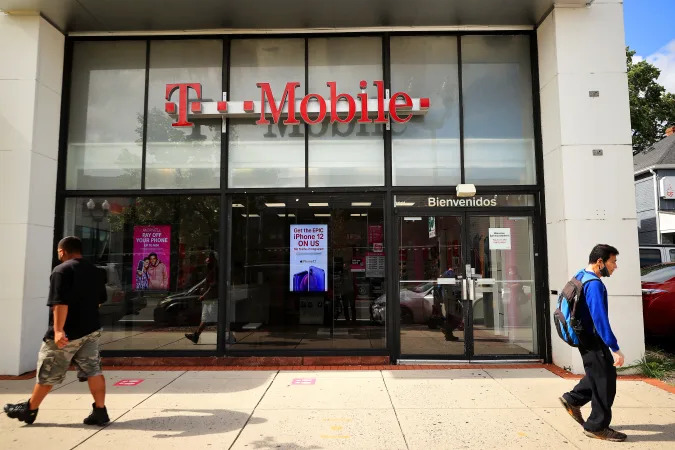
{"x":394,"y":304}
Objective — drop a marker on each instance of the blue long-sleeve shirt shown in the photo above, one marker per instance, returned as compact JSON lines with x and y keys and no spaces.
{"x":595,"y":312}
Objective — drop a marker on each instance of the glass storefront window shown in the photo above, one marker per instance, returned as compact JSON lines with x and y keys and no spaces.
{"x":307,"y":272}
{"x":183,"y":157}
{"x":498,"y":118}
{"x":273,"y":155}
{"x":425,"y":150}
{"x":105,"y":131}
{"x":348,"y":154}
{"x":154,"y":251}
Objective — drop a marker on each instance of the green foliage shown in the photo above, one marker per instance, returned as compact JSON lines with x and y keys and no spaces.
{"x":652,"y":109}
{"x":655,"y":364}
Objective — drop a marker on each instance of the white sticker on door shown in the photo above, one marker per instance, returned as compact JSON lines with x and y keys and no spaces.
{"x":500,"y":238}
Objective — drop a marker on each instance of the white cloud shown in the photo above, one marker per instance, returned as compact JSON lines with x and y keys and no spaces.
{"x":664,"y":59}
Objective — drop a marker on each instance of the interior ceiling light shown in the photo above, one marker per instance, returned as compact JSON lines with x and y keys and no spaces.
{"x":275,"y":205}
{"x":355,"y":215}
{"x":237,"y":205}
{"x":250,"y":215}
{"x":405,"y":203}
{"x":412,"y":219}
{"x":317,"y":204}
{"x":361,"y":203}
{"x":321,"y":215}
{"x":364,"y":215}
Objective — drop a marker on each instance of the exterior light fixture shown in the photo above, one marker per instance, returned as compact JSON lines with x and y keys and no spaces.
{"x":466,"y":190}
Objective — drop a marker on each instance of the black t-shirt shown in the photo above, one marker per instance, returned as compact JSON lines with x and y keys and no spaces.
{"x":80,"y":285}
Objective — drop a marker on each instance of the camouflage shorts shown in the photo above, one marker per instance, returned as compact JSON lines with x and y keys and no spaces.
{"x":53,"y":362}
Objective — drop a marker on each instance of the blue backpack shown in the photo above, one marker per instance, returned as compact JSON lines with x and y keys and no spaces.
{"x":567,"y":323}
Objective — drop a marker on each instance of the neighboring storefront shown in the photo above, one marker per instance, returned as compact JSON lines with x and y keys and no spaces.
{"x":358,"y":193}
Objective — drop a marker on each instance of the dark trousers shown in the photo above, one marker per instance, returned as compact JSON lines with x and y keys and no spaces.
{"x":597,"y":387}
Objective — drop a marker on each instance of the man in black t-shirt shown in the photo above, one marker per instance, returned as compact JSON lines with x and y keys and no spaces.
{"x":76,"y":290}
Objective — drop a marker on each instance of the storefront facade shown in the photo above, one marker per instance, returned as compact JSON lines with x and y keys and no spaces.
{"x":360,"y":193}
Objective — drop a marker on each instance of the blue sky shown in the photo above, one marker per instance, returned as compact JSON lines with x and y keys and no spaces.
{"x":650,"y":30}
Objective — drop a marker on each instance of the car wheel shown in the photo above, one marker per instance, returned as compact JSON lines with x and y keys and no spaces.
{"x":406,"y":316}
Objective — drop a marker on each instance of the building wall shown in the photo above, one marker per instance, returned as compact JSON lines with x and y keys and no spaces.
{"x":30,"y":89}
{"x":583,"y":50}
{"x":644,"y":206}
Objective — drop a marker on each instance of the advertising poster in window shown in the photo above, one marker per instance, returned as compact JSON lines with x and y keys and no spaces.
{"x":309,"y":258}
{"x":152,"y":253}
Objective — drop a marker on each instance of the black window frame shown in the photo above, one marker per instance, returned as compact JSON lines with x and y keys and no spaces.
{"x":388,"y":190}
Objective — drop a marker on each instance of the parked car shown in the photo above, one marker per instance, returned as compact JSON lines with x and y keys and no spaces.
{"x":119,"y":302}
{"x":113,"y":309}
{"x":183,"y":308}
{"x":658,"y":299}
{"x":656,"y":254}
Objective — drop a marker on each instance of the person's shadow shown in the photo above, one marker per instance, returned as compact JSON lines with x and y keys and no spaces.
{"x":661,"y":433}
{"x":209,"y":421}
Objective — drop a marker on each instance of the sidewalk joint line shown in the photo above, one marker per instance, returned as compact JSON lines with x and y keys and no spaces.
{"x":127,"y":411}
{"x":253,"y":412}
{"x":531,"y":409}
{"x":394,"y":409}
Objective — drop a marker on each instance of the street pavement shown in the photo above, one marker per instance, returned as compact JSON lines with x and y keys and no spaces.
{"x":348,"y":409}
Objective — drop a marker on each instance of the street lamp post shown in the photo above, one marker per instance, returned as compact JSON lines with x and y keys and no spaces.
{"x":97,"y":212}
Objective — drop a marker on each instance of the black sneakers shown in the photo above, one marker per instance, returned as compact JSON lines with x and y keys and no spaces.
{"x":98,"y":416}
{"x":194,"y":337}
{"x":573,"y":411}
{"x":607,"y":434}
{"x":21,"y":412}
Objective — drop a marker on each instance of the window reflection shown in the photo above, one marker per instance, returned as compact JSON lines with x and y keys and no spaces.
{"x":498,"y":117}
{"x":155,"y":252}
{"x":105,"y":132}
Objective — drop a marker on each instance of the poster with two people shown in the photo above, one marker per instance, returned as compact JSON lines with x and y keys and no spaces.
{"x":152,"y":253}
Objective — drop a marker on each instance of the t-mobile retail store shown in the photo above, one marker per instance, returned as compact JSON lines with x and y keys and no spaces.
{"x":322,"y":171}
{"x":374,"y":192}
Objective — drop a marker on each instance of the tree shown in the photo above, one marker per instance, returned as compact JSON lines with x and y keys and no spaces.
{"x":652,"y":109}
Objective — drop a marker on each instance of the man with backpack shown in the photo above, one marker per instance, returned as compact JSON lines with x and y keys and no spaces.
{"x":598,"y":347}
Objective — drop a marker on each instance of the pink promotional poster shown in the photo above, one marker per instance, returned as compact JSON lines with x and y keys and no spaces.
{"x":152,"y":252}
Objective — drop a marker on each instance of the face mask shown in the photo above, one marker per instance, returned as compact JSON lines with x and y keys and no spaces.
{"x":604,"y":272}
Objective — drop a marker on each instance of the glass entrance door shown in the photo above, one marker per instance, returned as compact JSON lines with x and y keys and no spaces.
{"x":466,"y":286}
{"x":431,"y":266}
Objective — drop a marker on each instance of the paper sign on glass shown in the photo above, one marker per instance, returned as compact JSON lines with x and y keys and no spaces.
{"x":500,"y":238}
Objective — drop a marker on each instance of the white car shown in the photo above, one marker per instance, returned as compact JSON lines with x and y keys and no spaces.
{"x":416,"y":305}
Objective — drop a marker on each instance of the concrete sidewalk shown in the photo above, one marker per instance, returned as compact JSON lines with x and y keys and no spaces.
{"x":364,"y":409}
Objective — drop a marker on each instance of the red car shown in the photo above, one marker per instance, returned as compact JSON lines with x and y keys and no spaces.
{"x":658,"y":300}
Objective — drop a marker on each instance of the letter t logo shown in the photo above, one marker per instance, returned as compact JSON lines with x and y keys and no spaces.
{"x":182,"y":101}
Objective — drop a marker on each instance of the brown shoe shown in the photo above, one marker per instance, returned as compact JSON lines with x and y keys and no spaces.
{"x":606,"y":435}
{"x":573,"y":411}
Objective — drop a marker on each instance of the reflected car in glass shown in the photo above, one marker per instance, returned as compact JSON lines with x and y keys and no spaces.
{"x":658,"y":299}
{"x":416,"y":305}
{"x":182,"y":308}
